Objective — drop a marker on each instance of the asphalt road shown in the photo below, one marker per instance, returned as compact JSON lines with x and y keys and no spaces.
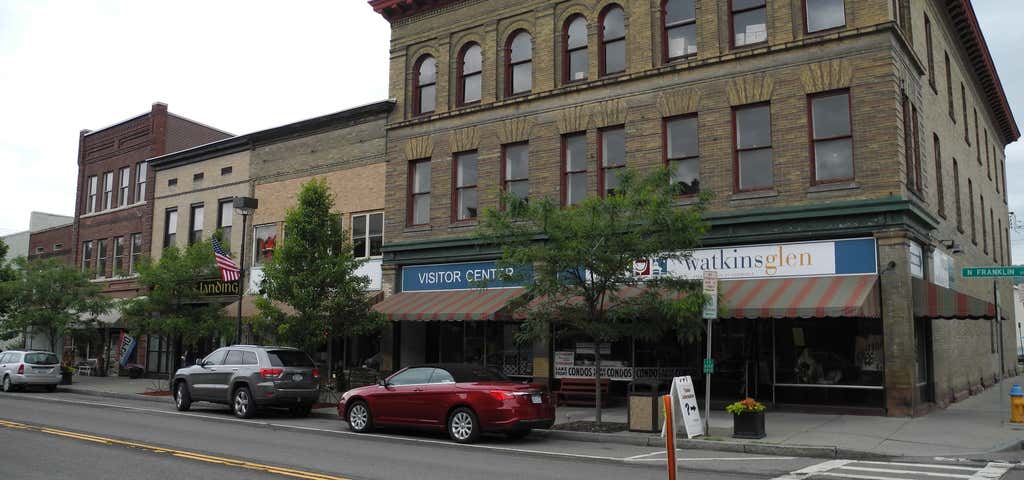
{"x":73,"y":436}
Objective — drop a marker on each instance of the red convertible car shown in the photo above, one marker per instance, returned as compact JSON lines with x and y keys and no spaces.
{"x":466,"y":400}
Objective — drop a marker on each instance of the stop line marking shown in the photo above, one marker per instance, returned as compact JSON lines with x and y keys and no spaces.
{"x":877,"y":471}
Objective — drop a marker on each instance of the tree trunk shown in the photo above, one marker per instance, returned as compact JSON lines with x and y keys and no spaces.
{"x":330,"y":361}
{"x":597,"y":381}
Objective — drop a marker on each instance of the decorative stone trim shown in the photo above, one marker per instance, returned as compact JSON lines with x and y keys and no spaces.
{"x":464,"y":139}
{"x":608,"y":113}
{"x":825,"y":76}
{"x":750,"y":89}
{"x":679,"y":102}
{"x":419,"y":147}
{"x":515,"y":130}
{"x":573,"y":120}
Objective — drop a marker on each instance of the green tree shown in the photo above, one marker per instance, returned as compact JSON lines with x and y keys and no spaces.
{"x":172,"y":306}
{"x":51,"y":297}
{"x":583,"y":257}
{"x":7,"y":274}
{"x":314,"y":273}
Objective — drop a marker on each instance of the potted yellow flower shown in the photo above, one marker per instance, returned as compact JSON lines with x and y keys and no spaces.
{"x":747,"y":418}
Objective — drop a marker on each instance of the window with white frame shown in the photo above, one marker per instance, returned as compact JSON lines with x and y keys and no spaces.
{"x":367,"y":234}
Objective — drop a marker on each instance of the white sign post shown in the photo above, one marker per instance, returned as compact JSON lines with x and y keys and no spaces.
{"x":710,"y":314}
{"x":684,"y":407}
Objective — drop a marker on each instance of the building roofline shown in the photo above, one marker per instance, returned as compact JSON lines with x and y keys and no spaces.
{"x":55,"y":227}
{"x":965,"y":21}
{"x":175,"y":115}
{"x":87,"y":133}
{"x":243,"y":142}
{"x":398,"y":9}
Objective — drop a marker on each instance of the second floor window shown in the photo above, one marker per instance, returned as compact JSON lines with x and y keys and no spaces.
{"x":90,"y":201}
{"x":680,"y":29}
{"x":576,"y":60}
{"x":87,"y":256}
{"x":574,"y":177}
{"x":753,"y":127}
{"x":425,"y":87}
{"x":108,"y":190}
{"x":101,"y":257}
{"x":613,"y":158}
{"x":140,"y":181}
{"x":265,"y":241}
{"x":470,"y":74}
{"x":136,"y":252}
{"x":170,"y":227}
{"x":970,"y":206}
{"x":613,"y":41}
{"x":118,"y":256}
{"x":367,"y":235}
{"x":124,"y":185}
{"x":939,"y":180}
{"x":195,"y":224}
{"x":949,"y":89}
{"x":465,"y":186}
{"x":749,"y":22}
{"x":682,"y":154}
{"x":225,"y":213}
{"x":832,"y":152}
{"x":956,"y":197}
{"x":519,"y":67}
{"x":419,"y":192}
{"x":824,"y":14}
{"x":516,"y":169}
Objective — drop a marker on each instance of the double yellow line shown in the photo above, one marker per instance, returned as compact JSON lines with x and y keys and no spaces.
{"x":198,"y":457}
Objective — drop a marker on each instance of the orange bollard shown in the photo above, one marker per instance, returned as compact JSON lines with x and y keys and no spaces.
{"x":1016,"y":404}
{"x":670,"y":438}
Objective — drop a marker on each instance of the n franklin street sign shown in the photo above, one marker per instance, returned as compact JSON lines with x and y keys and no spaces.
{"x":989,"y":272}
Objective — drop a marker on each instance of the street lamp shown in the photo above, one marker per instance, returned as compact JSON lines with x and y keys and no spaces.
{"x":244,"y":206}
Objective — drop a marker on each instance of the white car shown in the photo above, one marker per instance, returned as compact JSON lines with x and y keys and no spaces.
{"x":29,"y":368}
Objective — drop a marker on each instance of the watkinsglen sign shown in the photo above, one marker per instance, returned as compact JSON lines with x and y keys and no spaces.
{"x":839,"y":257}
{"x":216,"y":288}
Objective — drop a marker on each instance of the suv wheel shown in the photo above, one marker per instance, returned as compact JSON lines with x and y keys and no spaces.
{"x":359,"y":418}
{"x":182,"y":397}
{"x":7,"y":385}
{"x":463,"y":426}
{"x":243,"y":404}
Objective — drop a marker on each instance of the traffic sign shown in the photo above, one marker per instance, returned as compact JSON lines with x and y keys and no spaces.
{"x":989,"y":272}
{"x":709,"y":365}
{"x":711,"y":292}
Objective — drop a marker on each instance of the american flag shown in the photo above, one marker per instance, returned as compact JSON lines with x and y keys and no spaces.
{"x":228,"y":268}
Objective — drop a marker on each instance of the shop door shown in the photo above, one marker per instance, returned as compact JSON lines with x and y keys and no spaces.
{"x":923,"y":360}
{"x":742,"y":353}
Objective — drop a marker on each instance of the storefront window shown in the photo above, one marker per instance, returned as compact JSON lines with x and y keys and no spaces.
{"x":265,"y":242}
{"x":488,"y":343}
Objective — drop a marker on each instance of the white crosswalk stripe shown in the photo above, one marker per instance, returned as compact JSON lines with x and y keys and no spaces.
{"x":868,"y":470}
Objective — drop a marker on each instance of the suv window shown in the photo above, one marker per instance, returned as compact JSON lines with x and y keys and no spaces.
{"x":234,"y":358}
{"x":249,"y":358}
{"x":441,"y":376}
{"x":215,"y":358}
{"x":3,"y":357}
{"x":41,"y":359}
{"x":289,"y":358}
{"x":12,"y":358}
{"x":412,"y":376}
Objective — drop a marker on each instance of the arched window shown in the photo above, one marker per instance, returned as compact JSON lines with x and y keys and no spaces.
{"x":680,"y":34}
{"x":519,"y":63}
{"x":425,"y":91}
{"x":613,"y":41}
{"x":575,"y":61}
{"x":470,"y":76}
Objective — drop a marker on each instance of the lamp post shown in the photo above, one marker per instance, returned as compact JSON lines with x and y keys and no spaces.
{"x":244,"y":206}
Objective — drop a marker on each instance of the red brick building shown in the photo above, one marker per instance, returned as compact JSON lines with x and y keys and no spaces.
{"x":52,"y":242}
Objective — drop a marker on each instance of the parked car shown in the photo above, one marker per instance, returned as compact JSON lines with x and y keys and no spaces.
{"x":19,"y":369}
{"x":465,"y":400}
{"x":248,"y":377}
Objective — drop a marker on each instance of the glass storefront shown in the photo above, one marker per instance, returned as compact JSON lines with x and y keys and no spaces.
{"x":490,"y":343}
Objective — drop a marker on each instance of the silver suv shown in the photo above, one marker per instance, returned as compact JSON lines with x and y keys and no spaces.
{"x":246,"y":377}
{"x":22,"y":368}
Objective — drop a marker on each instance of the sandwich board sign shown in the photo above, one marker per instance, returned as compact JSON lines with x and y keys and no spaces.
{"x":684,"y":407}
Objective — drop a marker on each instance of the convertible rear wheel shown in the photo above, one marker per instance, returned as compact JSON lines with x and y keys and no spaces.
{"x":463,"y":426}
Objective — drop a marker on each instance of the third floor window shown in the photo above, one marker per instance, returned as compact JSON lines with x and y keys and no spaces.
{"x":90,"y":201}
{"x":749,"y":22}
{"x":419,"y":192}
{"x":465,"y":186}
{"x":516,"y":169}
{"x":195,"y":234}
{"x":124,"y":185}
{"x":824,"y":14}
{"x":574,"y":158}
{"x":832,"y":152}
{"x":682,"y":154}
{"x":612,"y":154}
{"x":680,"y":35}
{"x":753,"y":127}
{"x":108,"y":190}
{"x":613,"y":41}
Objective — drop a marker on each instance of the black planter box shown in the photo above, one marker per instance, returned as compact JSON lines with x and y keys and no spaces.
{"x":748,"y":425}
{"x":65,"y":378}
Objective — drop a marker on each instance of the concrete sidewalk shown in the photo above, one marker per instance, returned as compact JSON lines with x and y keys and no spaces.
{"x":969,"y":429}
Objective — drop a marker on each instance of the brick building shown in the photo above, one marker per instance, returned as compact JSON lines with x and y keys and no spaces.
{"x":868,"y":135}
{"x":114,"y":204}
{"x":194,"y":189}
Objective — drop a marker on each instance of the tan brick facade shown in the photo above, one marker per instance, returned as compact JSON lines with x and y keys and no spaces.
{"x":878,"y":56}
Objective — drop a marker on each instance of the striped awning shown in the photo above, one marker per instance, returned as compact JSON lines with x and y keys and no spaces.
{"x":854,"y":296}
{"x":934,"y":301}
{"x":449,"y":305}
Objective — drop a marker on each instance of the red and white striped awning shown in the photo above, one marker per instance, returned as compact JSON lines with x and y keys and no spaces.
{"x":450,"y":305}
{"x":854,"y":296}
{"x":934,"y":301}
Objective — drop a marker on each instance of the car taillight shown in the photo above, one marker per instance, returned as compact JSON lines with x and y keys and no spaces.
{"x":316,"y":373}
{"x":269,"y":373}
{"x":500,"y":395}
{"x":21,"y":369}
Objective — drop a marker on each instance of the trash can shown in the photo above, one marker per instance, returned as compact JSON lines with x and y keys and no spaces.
{"x":644,"y":407}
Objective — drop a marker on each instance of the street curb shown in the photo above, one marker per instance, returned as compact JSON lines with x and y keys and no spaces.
{"x":721,"y":446}
{"x":122,"y":396}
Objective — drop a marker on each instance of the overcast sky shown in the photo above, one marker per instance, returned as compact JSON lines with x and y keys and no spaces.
{"x":238,"y":65}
